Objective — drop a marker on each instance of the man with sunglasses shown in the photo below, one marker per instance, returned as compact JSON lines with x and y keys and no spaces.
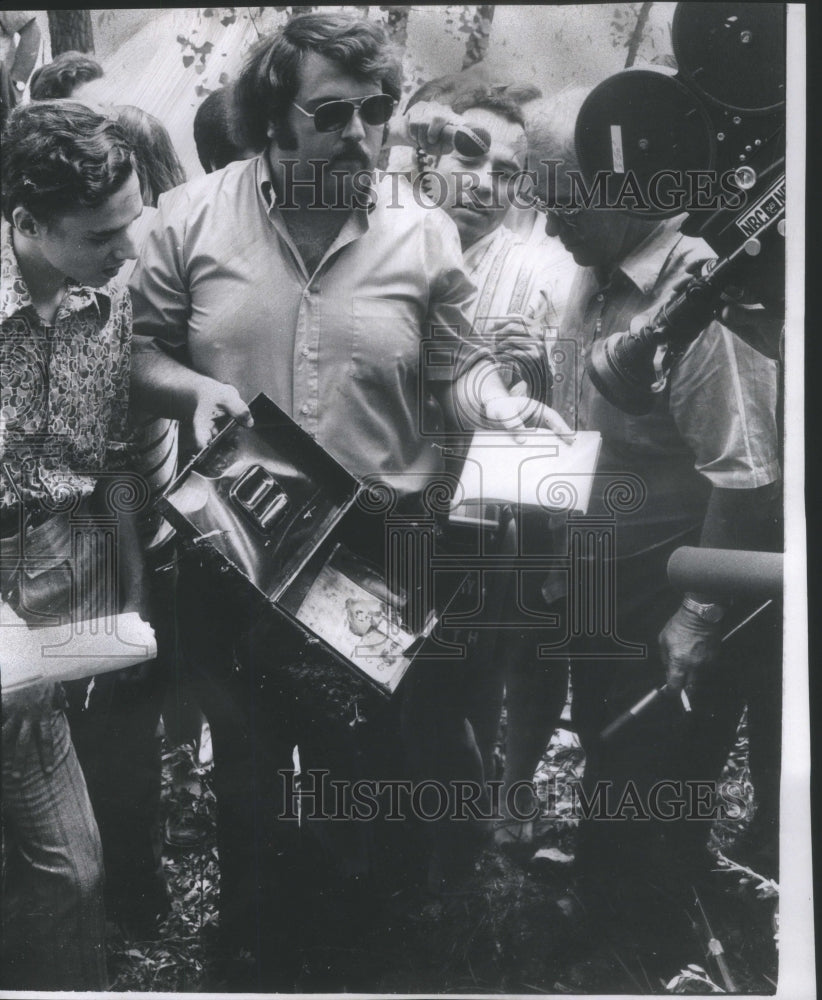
{"x":704,"y":463}
{"x":286,"y":274}
{"x":520,"y":292}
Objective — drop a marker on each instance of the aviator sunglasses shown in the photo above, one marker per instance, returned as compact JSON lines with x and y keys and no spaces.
{"x":333,"y":116}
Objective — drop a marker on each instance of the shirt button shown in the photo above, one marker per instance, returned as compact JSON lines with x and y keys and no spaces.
{"x":600,"y":297}
{"x":304,"y":351}
{"x":304,"y":409}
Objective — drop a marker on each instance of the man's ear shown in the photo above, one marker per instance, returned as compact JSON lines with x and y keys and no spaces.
{"x":25,"y":223}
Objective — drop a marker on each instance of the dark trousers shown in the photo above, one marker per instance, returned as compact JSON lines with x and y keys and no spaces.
{"x":505,"y":664}
{"x":268,"y":865}
{"x":114,"y":724}
{"x":658,"y":850}
{"x":114,"y":729}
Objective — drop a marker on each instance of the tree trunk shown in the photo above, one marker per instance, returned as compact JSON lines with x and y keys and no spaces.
{"x":70,"y":30}
{"x":477,"y":44}
{"x":636,"y":34}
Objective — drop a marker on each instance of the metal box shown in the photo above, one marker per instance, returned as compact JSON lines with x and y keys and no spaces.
{"x":270,"y":512}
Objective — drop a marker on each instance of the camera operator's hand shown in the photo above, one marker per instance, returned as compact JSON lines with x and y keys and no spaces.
{"x":688,"y":643}
{"x":743,"y":314}
{"x":214,"y":402}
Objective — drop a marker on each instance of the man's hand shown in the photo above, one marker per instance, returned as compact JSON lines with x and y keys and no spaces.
{"x":482,"y":399}
{"x":520,"y":349}
{"x":214,"y":402}
{"x":515,"y":413}
{"x":501,"y":328}
{"x":688,"y":644}
{"x":740,"y":309}
{"x":430,"y":126}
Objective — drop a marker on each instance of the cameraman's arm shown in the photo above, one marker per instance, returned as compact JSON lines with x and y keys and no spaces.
{"x":723,"y":397}
{"x":736,"y":519}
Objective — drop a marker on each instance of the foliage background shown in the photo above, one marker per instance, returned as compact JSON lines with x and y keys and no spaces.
{"x":166,"y":61}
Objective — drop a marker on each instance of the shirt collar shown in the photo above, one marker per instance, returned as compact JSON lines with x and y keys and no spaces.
{"x":15,"y":296}
{"x":500,"y":235}
{"x":644,"y":264}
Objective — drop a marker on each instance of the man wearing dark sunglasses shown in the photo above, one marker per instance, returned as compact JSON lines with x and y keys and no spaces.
{"x":284,"y":275}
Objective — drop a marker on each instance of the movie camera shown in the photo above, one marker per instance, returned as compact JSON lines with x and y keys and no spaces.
{"x":707,"y":139}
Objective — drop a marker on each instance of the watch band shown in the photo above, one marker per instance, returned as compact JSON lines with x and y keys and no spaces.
{"x":711,"y":613}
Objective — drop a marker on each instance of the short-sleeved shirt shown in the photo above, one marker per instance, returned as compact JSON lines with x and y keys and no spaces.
{"x":714,"y":425}
{"x":512,"y":277}
{"x":339,"y":350}
{"x":64,"y":392}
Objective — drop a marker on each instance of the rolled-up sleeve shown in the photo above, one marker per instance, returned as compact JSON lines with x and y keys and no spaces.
{"x":723,"y":399}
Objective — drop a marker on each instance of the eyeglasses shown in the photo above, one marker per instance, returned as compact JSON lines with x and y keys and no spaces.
{"x":566,"y":215}
{"x":333,"y":116}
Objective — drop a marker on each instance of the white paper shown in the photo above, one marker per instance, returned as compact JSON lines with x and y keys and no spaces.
{"x":544,"y":472}
{"x":78,"y":649}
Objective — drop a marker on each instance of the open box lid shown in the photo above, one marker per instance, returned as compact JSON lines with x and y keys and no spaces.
{"x":263,"y":497}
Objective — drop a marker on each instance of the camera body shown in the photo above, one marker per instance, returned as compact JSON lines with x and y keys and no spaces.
{"x":706,"y":139}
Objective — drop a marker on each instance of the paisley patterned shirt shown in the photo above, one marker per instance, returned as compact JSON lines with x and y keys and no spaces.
{"x":64,"y":389}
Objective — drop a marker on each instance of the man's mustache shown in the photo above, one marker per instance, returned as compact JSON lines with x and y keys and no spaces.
{"x":352,"y":151}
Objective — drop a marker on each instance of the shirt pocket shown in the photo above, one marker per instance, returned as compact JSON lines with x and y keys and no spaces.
{"x":385,"y":341}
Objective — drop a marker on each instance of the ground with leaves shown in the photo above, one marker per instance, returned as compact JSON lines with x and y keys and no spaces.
{"x":495,"y":936}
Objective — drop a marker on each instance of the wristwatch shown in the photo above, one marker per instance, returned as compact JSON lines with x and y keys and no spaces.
{"x":20,"y":86}
{"x":710,"y":613}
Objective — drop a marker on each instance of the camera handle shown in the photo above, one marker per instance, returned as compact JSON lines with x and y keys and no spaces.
{"x":680,"y":321}
{"x":631,"y":369}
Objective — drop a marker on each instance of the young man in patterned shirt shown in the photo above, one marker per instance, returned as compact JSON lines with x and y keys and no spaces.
{"x":70,"y":195}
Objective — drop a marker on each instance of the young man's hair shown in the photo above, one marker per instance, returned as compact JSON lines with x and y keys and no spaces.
{"x":58,"y":156}
{"x":213,"y":134}
{"x":270,"y":78}
{"x":158,"y":165}
{"x":59,"y":78}
{"x":461,"y":91}
{"x":489,"y":100}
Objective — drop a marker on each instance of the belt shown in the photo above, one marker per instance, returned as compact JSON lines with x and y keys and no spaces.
{"x":33,"y":517}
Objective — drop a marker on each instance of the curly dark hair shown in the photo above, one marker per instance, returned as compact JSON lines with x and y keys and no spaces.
{"x":59,"y":78}
{"x":60,"y":155}
{"x":270,"y":80}
{"x":158,"y":165}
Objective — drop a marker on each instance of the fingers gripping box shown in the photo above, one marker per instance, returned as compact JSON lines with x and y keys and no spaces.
{"x":276,"y":521}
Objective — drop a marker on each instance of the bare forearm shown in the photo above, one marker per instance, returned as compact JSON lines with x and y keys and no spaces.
{"x":162,"y":385}
{"x":475,"y":388}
